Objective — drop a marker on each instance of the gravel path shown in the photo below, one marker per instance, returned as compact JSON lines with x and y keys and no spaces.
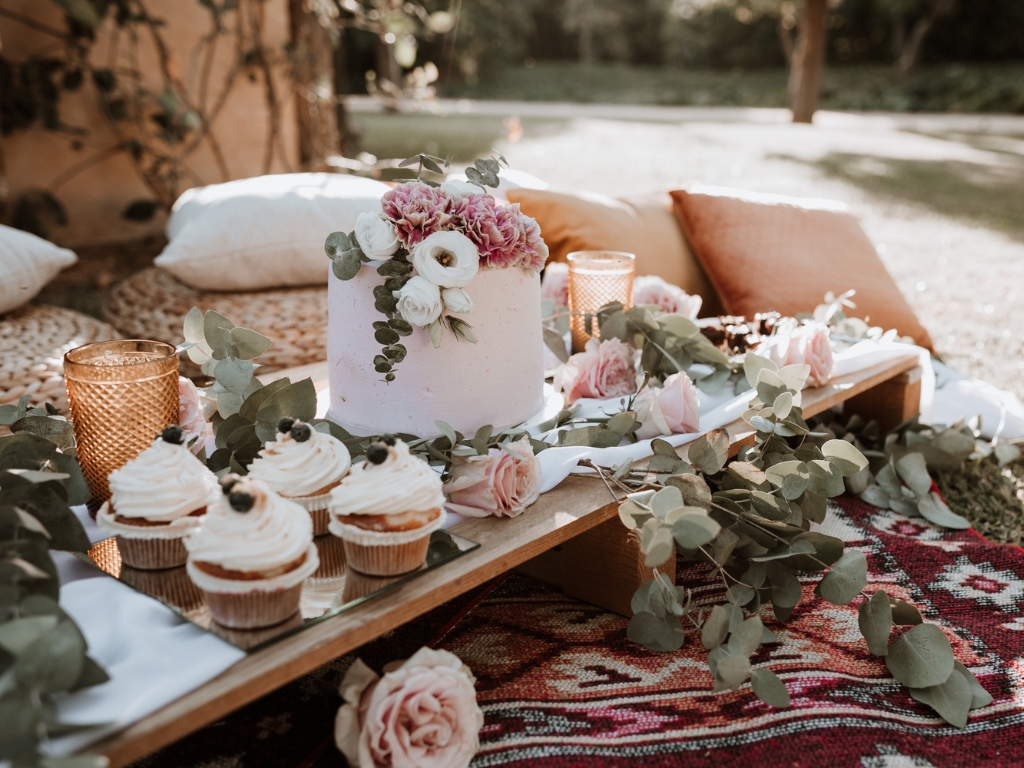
{"x":924,"y":199}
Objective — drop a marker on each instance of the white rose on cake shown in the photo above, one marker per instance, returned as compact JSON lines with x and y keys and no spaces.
{"x":377,"y":236}
{"x":419,"y":301}
{"x":457,"y":300}
{"x":447,"y":259}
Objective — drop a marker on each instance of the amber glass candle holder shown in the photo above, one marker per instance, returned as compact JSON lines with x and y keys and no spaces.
{"x":121,"y":395}
{"x":595,"y":279}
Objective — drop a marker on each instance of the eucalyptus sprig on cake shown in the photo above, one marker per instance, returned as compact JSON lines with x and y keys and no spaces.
{"x":750,"y":520}
{"x":429,"y":241}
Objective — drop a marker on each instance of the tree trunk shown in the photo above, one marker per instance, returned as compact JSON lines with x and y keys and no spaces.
{"x":586,"y":46}
{"x":313,"y":81}
{"x":348,"y":141}
{"x":786,"y":38}
{"x":807,"y":61}
{"x":911,"y":49}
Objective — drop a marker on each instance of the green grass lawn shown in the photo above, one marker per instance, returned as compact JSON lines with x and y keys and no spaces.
{"x":949,"y":88}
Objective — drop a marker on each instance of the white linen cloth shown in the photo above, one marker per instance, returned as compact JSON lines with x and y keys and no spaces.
{"x":153,"y":656}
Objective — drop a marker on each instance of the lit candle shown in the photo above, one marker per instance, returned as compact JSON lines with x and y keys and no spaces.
{"x":597,"y":278}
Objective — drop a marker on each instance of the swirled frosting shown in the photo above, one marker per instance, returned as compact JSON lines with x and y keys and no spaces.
{"x":402,"y":483}
{"x":163,"y":483}
{"x":274,"y":533}
{"x":292,"y":468}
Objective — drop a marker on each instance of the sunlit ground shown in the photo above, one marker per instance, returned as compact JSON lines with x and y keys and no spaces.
{"x":945,"y":208}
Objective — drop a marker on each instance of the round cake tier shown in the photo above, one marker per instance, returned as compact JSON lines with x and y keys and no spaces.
{"x":498,"y":381}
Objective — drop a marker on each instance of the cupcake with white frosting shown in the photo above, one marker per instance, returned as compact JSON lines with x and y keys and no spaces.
{"x":251,"y":555}
{"x":304,"y":466}
{"x":156,"y":499}
{"x":386,"y":508}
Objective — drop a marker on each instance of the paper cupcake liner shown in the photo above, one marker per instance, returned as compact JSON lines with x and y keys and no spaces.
{"x":174,"y":530}
{"x":171,"y":586}
{"x":151,"y":554}
{"x":362,"y":536}
{"x":292,"y":578}
{"x":386,"y":559}
{"x":331,"y":550}
{"x":312,"y":503}
{"x":252,"y":610}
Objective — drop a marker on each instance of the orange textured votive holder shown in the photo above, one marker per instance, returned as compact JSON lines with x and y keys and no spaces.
{"x":595,"y":279}
{"x":121,"y":395}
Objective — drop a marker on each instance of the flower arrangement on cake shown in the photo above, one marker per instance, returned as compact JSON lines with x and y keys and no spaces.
{"x":429,"y":242}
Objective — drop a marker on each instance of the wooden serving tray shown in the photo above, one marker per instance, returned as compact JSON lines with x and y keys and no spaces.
{"x":579,"y":506}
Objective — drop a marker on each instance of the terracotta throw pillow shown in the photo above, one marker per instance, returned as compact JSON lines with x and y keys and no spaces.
{"x":768,"y":252}
{"x":644,"y":226}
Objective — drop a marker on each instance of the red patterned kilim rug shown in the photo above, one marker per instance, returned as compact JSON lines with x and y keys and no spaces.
{"x":562,"y":687}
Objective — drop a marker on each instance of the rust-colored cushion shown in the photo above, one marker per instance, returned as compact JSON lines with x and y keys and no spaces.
{"x":767,"y":252}
{"x":644,"y":226}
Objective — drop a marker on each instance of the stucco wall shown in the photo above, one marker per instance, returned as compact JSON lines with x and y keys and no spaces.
{"x":96,"y":197}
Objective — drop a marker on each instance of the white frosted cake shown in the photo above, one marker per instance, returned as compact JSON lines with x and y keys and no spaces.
{"x":459,"y":259}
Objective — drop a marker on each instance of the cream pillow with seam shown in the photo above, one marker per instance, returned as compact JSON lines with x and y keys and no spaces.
{"x":27,"y":263}
{"x":263,"y":232}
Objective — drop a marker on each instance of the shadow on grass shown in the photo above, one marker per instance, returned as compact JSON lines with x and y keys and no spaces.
{"x":988,"y":196}
{"x":464,"y":138}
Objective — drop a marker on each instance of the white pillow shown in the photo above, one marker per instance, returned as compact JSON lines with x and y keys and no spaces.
{"x":264,"y":232}
{"x":27,"y":263}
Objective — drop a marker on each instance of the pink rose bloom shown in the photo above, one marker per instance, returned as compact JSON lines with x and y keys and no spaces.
{"x":554,"y":285}
{"x":503,"y":483}
{"x":190,"y":415}
{"x":651,"y":289}
{"x":534,"y":249}
{"x":672,"y":410}
{"x":807,"y":344}
{"x":417,"y":210}
{"x":605,"y":370}
{"x":421,"y":714}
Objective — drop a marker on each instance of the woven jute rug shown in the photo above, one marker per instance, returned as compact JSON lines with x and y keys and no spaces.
{"x":561,"y":686}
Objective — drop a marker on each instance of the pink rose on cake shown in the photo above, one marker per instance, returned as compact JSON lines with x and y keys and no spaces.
{"x":807,"y":344}
{"x":651,"y":289}
{"x":605,"y":370}
{"x":422,"y":712}
{"x":417,"y":210}
{"x":190,"y":415}
{"x":502,"y":483}
{"x":554,"y":285}
{"x":672,"y":410}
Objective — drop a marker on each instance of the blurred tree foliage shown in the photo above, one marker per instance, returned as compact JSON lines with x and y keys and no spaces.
{"x":704,"y":34}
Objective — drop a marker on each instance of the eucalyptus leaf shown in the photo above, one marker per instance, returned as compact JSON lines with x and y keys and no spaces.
{"x":234,"y":375}
{"x":769,"y":688}
{"x":825,"y":479}
{"x":951,"y":699}
{"x":59,"y":432}
{"x":716,"y":628}
{"x":732,"y":672}
{"x":17,"y":635}
{"x":979,"y":696}
{"x":249,"y":344}
{"x":297,"y":401}
{"x":875,"y":621}
{"x":654,"y":633}
{"x":921,"y":658}
{"x":54,"y":661}
{"x":934,"y":510}
{"x":695,"y":491}
{"x":913,"y":471}
{"x":847,"y":577}
{"x":746,"y":638}
{"x":845,"y":456}
{"x":876,"y":496}
{"x":904,"y":613}
{"x":694,"y":530}
{"x":194,"y":330}
{"x":710,"y":451}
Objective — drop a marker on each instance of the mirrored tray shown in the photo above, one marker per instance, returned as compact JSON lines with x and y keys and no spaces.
{"x":330,"y":590}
